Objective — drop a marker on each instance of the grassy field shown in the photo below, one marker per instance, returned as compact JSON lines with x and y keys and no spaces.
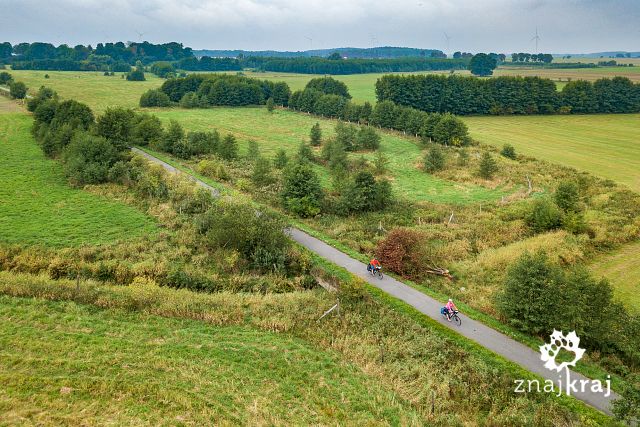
{"x":63,"y":363}
{"x":286,"y":129}
{"x":605,"y":145}
{"x":622,"y":269}
{"x":37,"y":206}
{"x":92,"y":88}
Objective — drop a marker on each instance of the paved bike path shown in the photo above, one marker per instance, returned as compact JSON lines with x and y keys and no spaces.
{"x":478,"y":332}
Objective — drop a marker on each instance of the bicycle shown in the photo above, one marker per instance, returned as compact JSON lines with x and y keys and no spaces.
{"x":454,"y":317}
{"x":377,"y":271}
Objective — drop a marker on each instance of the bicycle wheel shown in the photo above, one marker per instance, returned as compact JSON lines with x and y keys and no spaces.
{"x":456,"y":319}
{"x":380,"y":275}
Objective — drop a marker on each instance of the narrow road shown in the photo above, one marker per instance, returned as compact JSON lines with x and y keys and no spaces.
{"x":471,"y":329}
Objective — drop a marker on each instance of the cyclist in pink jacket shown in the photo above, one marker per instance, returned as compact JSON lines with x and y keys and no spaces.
{"x":450,"y":307}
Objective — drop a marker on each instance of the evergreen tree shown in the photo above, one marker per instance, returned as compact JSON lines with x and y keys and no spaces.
{"x":280,"y":161}
{"x":228,"y":148}
{"x":508,"y":151}
{"x":262,"y":172}
{"x":316,"y":135}
{"x":253,"y":151}
{"x":434,"y":160}
{"x":270,"y":105}
{"x":305,"y":153}
{"x":302,"y":193}
{"x":346,"y":135}
{"x":367,"y":138}
{"x":488,"y":166}
{"x":380,"y":162}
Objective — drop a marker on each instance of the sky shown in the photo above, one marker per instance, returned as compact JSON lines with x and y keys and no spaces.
{"x":505,"y":26}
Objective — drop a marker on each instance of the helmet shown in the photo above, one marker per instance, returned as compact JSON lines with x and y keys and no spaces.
{"x":450,"y":300}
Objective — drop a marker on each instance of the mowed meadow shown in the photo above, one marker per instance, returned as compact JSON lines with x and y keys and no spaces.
{"x":59,"y":367}
{"x":38,"y":205}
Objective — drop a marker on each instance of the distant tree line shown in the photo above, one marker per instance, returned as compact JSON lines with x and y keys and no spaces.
{"x":508,"y":95}
{"x":206,"y":63}
{"x":104,"y":57}
{"x":202,"y":90}
{"x":349,"y":52}
{"x":546,"y":58}
{"x":353,"y":66}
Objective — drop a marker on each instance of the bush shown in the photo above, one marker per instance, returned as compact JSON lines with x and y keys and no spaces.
{"x":329,"y":86}
{"x":17,"y":90}
{"x":259,"y":238}
{"x":508,"y":151}
{"x":44,"y":94}
{"x":567,"y":196}
{"x":434,"y":160}
{"x":146,"y":130}
{"x":115,"y":125}
{"x":261,"y":175}
{"x":136,"y":75}
{"x":154,"y":98}
{"x":401,"y":252}
{"x":162,"y":69}
{"x":488,"y":166}
{"x":88,"y":158}
{"x":5,"y":78}
{"x":213,"y":169}
{"x":302,"y":193}
{"x":451,"y":130}
{"x":544,"y":216}
{"x":270,"y":105}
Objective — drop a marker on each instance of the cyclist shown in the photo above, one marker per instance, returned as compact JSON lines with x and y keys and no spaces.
{"x":374,"y":264}
{"x":449,"y":308}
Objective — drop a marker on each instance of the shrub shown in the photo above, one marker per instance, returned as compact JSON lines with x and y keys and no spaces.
{"x":329,"y":86}
{"x":305,"y":153}
{"x":136,"y":75}
{"x":203,"y":142}
{"x":213,"y":169}
{"x":567,"y":196}
{"x":488,"y":166}
{"x":400,"y":252}
{"x":544,"y":216}
{"x":189,"y":100}
{"x":302,"y":193}
{"x":154,"y":98}
{"x":5,"y":78}
{"x":88,"y":158}
{"x":253,"y":151}
{"x":74,"y":113}
{"x":162,"y":69}
{"x":17,"y":90}
{"x":44,"y":94}
{"x":270,"y":105}
{"x":451,"y":130}
{"x":434,"y":160}
{"x":146,"y":130}
{"x":508,"y":151}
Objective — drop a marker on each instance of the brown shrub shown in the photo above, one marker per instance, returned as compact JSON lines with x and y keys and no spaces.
{"x":400,"y":252}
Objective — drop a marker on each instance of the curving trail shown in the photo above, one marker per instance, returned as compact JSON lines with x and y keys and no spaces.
{"x":476,"y":331}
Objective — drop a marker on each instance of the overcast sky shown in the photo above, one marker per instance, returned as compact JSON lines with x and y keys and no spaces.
{"x":472,"y":25}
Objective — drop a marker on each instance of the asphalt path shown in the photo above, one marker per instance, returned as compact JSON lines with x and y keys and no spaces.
{"x":476,"y":331}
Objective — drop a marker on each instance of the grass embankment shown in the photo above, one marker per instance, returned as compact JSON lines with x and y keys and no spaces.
{"x":38,"y":207}
{"x":605,"y":145}
{"x":286,"y":129}
{"x":446,"y":379}
{"x":65,"y":363}
{"x":622,"y":269}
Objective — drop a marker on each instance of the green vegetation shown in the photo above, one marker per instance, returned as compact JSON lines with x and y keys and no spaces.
{"x":285,"y":129}
{"x":39,"y":207}
{"x":622,"y":269}
{"x":172,"y":369}
{"x":604,"y":145}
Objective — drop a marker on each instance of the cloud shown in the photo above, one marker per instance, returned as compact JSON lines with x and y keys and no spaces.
{"x":488,"y":25}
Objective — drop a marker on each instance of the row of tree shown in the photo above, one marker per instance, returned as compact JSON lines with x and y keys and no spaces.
{"x":545,"y":58}
{"x":508,"y":95}
{"x":353,"y":66}
{"x":201,"y":90}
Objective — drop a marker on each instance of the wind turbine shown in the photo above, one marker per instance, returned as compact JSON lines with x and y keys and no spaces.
{"x":447,"y":38}
{"x":373,"y":45}
{"x":310,"y":41}
{"x":537,"y":39}
{"x":139,"y":35}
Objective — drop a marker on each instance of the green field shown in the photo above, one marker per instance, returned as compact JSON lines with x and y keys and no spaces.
{"x":622,"y":269}
{"x":37,"y":206}
{"x":286,"y":129}
{"x":63,"y":363}
{"x":93,"y":88}
{"x":606,"y":145}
